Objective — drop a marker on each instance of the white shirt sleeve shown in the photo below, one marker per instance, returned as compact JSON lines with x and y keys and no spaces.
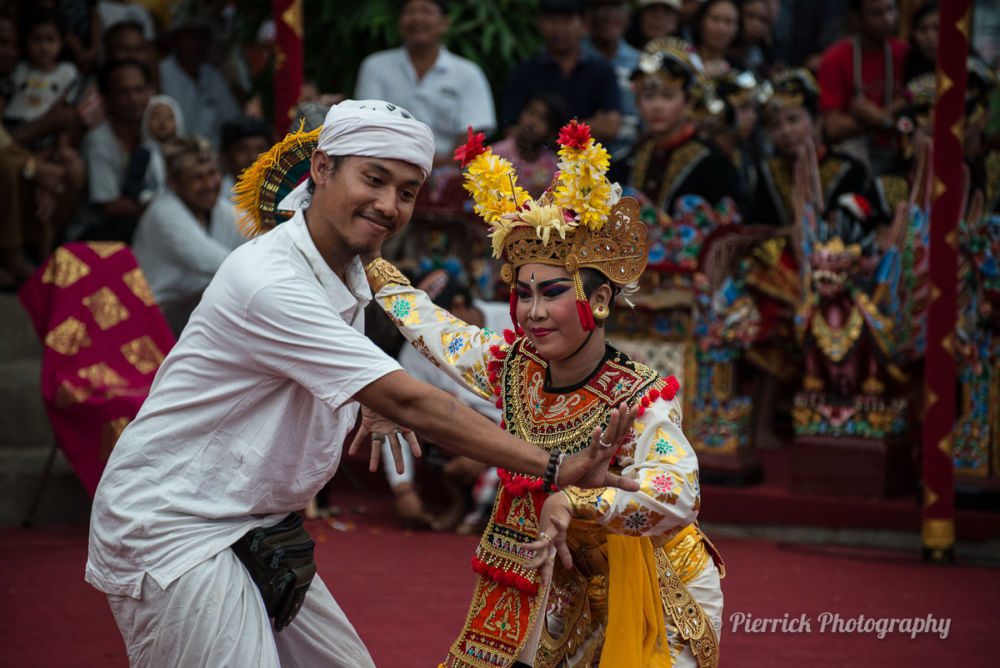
{"x":477,"y":101}
{"x":291,"y":330}
{"x":103,"y":166}
{"x":368,"y":86}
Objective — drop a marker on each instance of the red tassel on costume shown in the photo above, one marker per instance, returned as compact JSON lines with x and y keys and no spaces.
{"x":586,"y":315}
{"x":509,"y":336}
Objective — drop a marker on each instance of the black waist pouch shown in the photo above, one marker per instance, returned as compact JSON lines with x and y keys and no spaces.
{"x":280,"y":562}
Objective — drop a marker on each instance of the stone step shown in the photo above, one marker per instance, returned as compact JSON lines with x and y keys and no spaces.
{"x":23,"y":421}
{"x":17,"y":336}
{"x":63,"y":500}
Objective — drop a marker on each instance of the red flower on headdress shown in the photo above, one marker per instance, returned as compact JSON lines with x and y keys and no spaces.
{"x":574,"y":135}
{"x":468,"y":151}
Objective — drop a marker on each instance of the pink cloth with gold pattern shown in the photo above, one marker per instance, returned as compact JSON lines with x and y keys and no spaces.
{"x":104,"y":339}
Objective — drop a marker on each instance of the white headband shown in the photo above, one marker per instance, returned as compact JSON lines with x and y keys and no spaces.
{"x":374,"y":129}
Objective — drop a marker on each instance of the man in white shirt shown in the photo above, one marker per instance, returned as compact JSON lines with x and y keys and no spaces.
{"x":247,"y":415}
{"x":187,"y":231}
{"x":198,"y":86}
{"x":445,"y":91}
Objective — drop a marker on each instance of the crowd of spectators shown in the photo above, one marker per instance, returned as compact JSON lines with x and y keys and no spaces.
{"x":119,"y":121}
{"x":112,"y":122}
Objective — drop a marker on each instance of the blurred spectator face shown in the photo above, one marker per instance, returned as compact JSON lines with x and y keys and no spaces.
{"x":719,"y":26}
{"x":128,"y":94}
{"x":533,"y":124}
{"x":561,"y":32}
{"x":790,"y":128}
{"x":608,"y":22}
{"x":244,"y":151}
{"x":128,"y":44}
{"x":43,"y":44}
{"x":8,"y":46}
{"x":661,"y":107}
{"x":162,"y":124}
{"x":191,"y":47}
{"x":756,"y":21}
{"x":925,"y":36}
{"x":658,"y":21}
{"x":198,"y":186}
{"x":422,"y":24}
{"x":878,"y":18}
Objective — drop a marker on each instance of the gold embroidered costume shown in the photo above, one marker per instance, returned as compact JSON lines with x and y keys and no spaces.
{"x":578,"y":223}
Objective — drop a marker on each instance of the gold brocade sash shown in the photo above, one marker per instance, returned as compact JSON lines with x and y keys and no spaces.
{"x":636,"y":634}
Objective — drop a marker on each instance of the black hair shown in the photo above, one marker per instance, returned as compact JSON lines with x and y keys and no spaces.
{"x":633,"y":34}
{"x":336,"y":161}
{"x":556,"y":112}
{"x":117,"y":28}
{"x":107,"y":71}
{"x":916,"y":63}
{"x":39,"y":16}
{"x":242,"y":128}
{"x":593,"y":279}
{"x":703,"y":10}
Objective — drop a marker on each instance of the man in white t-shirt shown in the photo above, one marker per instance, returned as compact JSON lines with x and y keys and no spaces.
{"x":445,"y":91}
{"x":247,"y":415}
{"x":187,"y":231}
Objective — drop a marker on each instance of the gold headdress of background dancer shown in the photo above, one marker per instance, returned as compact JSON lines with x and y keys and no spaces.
{"x":579,"y":222}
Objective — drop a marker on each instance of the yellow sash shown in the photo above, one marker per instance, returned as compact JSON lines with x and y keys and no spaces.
{"x":636,"y":634}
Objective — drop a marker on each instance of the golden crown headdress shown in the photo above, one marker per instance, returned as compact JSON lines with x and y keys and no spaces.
{"x":579,"y":222}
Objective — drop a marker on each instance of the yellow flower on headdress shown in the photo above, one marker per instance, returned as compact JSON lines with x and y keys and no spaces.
{"x":582,"y":186}
{"x":493,"y":184}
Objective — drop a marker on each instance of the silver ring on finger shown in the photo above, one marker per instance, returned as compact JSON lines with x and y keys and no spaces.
{"x":604,"y":444}
{"x":376,"y":436}
{"x":544,"y":536}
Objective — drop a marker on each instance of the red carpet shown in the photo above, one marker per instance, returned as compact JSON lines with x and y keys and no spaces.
{"x":407,"y":594}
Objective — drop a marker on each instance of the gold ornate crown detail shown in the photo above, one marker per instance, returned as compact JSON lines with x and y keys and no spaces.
{"x":579,"y":222}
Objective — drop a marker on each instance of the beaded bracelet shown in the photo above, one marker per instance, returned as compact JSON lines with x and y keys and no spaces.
{"x":552,"y":470}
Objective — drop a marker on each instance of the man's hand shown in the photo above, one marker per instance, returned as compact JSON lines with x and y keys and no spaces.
{"x":553,"y":524}
{"x":375,"y":429}
{"x":589,"y":467}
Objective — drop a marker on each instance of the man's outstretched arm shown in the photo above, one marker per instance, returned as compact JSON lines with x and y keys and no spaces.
{"x":451,"y":424}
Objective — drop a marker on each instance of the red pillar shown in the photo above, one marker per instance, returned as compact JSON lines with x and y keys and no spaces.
{"x":288,"y":60}
{"x":938,"y":529}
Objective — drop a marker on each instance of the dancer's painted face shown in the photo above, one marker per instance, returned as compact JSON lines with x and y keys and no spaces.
{"x":546,"y":309}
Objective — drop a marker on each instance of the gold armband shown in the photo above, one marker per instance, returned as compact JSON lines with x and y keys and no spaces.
{"x":585,"y":504}
{"x":381,"y":272}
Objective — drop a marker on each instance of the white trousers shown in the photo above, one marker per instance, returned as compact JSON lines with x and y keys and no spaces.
{"x":213,"y":615}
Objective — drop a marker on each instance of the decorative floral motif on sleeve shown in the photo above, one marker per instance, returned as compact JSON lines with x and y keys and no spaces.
{"x":663,"y":485}
{"x":455,"y":344}
{"x":635,"y":520}
{"x":477,"y":380}
{"x":403,"y":309}
{"x":666,"y":449}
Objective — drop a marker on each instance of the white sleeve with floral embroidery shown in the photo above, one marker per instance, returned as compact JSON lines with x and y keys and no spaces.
{"x":658,"y":455}
{"x":459,"y":349}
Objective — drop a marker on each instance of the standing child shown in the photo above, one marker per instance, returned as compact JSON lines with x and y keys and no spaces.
{"x":40,"y":81}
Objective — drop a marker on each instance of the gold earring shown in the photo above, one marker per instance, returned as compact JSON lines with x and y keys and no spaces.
{"x":601,"y":311}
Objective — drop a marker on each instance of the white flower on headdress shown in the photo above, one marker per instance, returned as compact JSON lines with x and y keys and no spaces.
{"x":545,"y":219}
